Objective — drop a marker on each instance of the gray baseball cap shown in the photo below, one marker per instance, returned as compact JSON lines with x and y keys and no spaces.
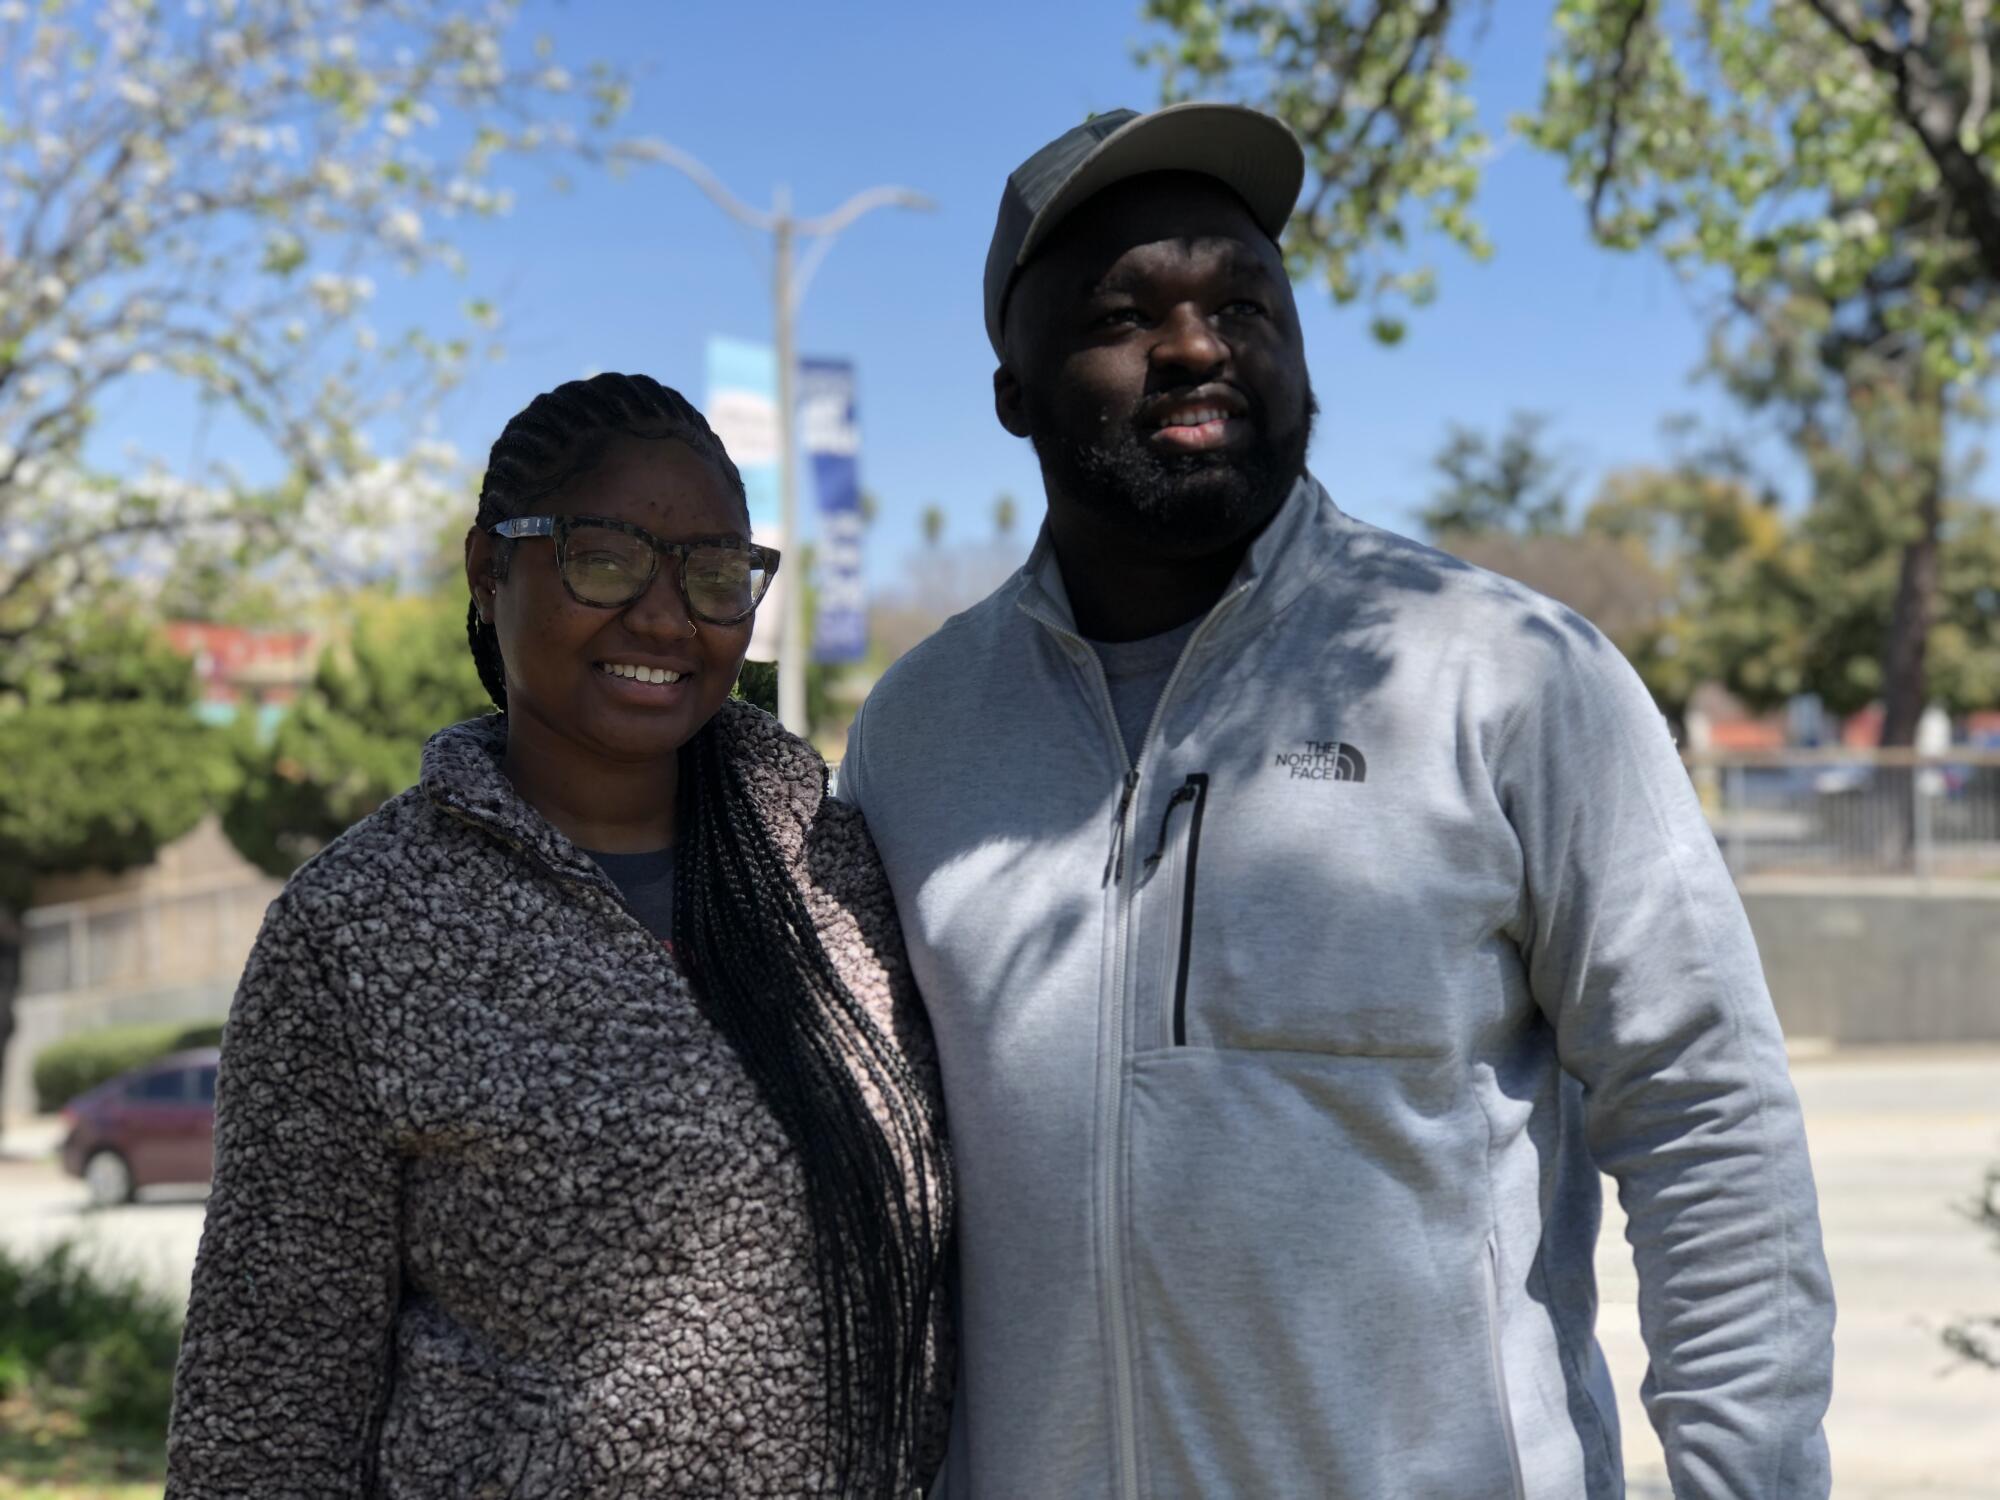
{"x":1249,"y":151}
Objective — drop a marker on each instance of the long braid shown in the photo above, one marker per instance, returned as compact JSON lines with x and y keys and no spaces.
{"x":879,"y":1190}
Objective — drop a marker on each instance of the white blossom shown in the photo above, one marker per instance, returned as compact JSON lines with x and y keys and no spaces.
{"x":403,"y":226}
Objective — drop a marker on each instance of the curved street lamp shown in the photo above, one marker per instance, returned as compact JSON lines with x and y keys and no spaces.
{"x":788,"y":285}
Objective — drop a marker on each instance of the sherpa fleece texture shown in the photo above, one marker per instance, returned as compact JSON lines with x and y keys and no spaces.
{"x":497,"y":1212}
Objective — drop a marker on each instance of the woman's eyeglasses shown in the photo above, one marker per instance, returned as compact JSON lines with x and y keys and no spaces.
{"x":608,"y":564}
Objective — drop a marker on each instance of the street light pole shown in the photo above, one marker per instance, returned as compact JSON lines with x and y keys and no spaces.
{"x":792,"y":600}
{"x":788,"y":286}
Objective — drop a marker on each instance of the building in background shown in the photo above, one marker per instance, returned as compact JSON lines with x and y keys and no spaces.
{"x":246,"y":672}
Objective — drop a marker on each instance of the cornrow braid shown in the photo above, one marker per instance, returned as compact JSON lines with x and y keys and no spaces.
{"x":879,"y":1190}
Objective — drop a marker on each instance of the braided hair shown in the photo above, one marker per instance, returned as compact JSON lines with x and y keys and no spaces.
{"x":744,"y":934}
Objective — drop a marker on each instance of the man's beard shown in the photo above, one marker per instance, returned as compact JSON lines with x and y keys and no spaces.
{"x":1189,"y":504}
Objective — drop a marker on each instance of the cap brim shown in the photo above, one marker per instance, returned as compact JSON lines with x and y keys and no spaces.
{"x":1252,"y":153}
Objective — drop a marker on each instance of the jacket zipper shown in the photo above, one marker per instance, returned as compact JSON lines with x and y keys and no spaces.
{"x":1110,"y":1089}
{"x":1492,"y":1279}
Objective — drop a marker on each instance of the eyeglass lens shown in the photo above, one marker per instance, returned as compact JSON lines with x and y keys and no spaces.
{"x":608,"y":567}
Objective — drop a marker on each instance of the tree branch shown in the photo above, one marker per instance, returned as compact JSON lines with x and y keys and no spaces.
{"x":1428,"y":34}
{"x":1979,"y":97}
{"x":1924,"y":104}
{"x":1607,"y":163}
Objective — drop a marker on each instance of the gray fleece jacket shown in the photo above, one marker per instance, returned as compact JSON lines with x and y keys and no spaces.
{"x":1282,"y":1064}
{"x":497,"y":1210}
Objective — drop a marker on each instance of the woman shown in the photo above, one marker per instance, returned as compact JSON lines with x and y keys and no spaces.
{"x":577,"y":1132}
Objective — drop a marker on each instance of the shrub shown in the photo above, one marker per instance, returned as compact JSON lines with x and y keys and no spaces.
{"x":78,"y":1064}
{"x":1978,"y":1339}
{"x":89,"y":1341}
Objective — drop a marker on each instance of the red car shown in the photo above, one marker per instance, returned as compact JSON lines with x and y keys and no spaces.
{"x":151,"y":1126}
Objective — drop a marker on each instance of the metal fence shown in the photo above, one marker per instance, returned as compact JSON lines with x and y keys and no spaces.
{"x":192,"y":932}
{"x":1849,"y":812}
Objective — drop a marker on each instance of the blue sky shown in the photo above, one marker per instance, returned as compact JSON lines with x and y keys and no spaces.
{"x":636,"y":273}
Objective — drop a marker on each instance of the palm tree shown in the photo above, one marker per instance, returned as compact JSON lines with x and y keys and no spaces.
{"x":1005,"y":514}
{"x":933,"y":523}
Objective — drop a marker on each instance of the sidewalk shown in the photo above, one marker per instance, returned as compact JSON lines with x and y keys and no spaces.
{"x":36,"y":1138}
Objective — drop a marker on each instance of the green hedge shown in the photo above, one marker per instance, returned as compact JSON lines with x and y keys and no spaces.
{"x":70,"y":1067}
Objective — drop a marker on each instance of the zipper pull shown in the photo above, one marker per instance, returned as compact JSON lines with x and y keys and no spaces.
{"x":1114,"y":863}
{"x":1185,"y":792}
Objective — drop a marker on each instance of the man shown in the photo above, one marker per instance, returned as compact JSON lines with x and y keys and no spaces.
{"x":1305,"y":917}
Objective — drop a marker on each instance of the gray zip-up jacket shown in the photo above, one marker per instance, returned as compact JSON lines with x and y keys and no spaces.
{"x":1281,"y":1065}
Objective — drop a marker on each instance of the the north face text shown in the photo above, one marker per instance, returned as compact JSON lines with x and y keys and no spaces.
{"x":1324,"y":760}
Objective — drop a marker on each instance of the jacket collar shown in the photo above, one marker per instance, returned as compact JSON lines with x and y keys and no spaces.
{"x":1280,"y":564}
{"x":783,"y":776}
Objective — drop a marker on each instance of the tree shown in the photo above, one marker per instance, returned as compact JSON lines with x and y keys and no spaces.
{"x":933,"y":524}
{"x":1005,"y":514}
{"x":1730,"y":579}
{"x":355,"y":737}
{"x":1935,"y":63}
{"x":1773,"y":606}
{"x":105,"y":759}
{"x":1801,"y":149}
{"x":205,"y":192}
{"x":1503,"y":504}
{"x":1376,"y":95}
{"x":1515,"y":485}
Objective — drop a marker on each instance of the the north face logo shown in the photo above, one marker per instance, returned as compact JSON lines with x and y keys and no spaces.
{"x":1324,"y":760}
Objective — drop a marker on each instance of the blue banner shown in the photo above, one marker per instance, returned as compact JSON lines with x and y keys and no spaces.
{"x":833,"y":446}
{"x":743,"y":410}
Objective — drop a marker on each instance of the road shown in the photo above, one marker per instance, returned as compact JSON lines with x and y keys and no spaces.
{"x":155,"y":1237}
{"x":1899,"y":1140}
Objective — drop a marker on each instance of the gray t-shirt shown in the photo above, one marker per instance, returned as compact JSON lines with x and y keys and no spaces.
{"x":1137,"y":672}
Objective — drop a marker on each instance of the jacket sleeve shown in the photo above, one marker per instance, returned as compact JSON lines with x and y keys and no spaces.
{"x":1641,"y":957}
{"x":850,"y":780}
{"x":284,"y":1360}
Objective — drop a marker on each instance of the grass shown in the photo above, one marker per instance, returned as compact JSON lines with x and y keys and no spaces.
{"x":86,"y":1378}
{"x":47,"y":1452}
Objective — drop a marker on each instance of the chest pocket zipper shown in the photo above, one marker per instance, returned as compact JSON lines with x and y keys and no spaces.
{"x":1194,"y":794}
